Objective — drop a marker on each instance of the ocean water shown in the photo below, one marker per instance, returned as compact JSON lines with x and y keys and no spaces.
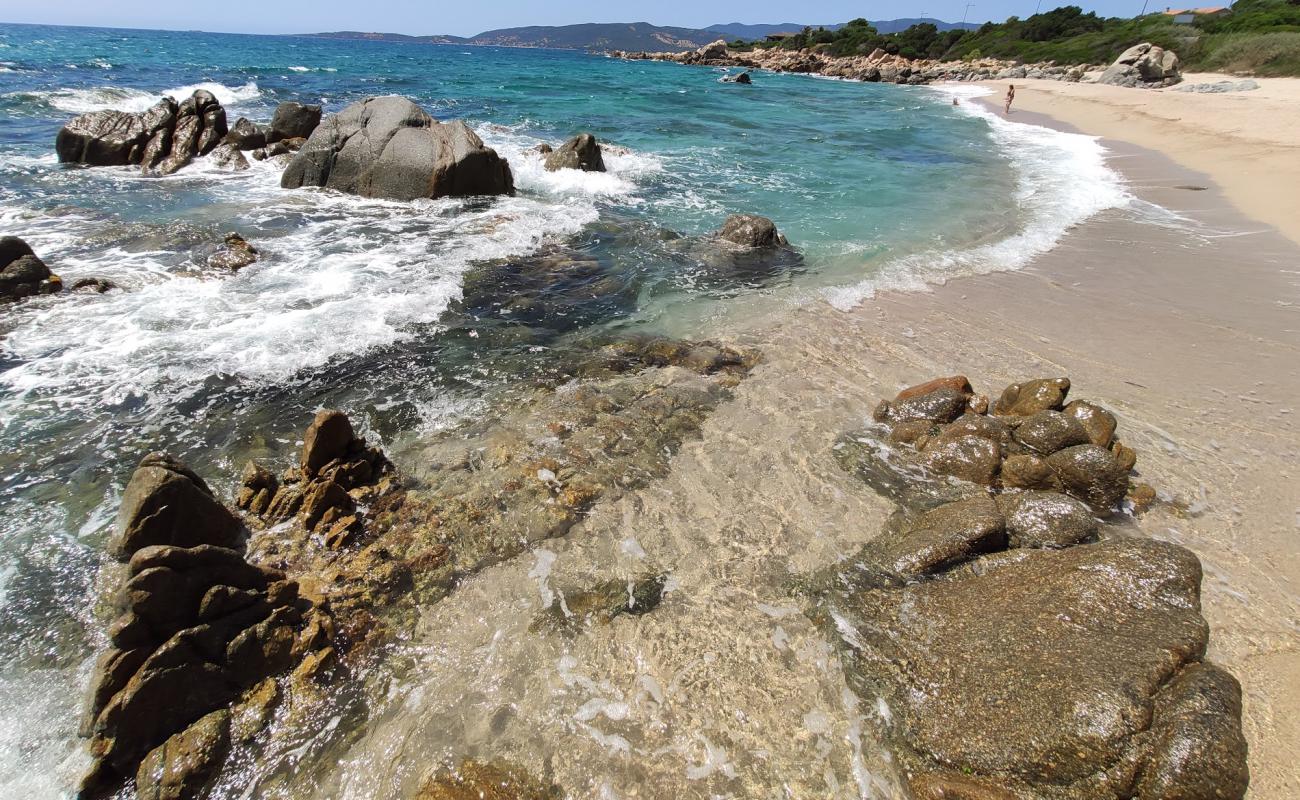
{"x":362,"y":304}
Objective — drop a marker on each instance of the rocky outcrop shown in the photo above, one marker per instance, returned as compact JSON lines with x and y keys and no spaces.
{"x":1144,"y":66}
{"x":743,"y":79}
{"x":293,"y":121}
{"x":1011,"y":645}
{"x":234,"y":254}
{"x":880,"y":66}
{"x":388,"y":147}
{"x":1030,"y":440}
{"x":199,"y":629}
{"x":161,"y":140}
{"x":751,"y":230}
{"x":581,"y":152}
{"x":229,"y":157}
{"x":22,"y":273}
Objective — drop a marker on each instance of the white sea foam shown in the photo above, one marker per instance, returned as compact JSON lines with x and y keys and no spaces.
{"x":1062,"y":180}
{"x":355,"y":275}
{"x":101,"y":98}
{"x":623,"y":168}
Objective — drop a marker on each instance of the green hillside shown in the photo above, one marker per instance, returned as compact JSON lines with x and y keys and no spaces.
{"x":1258,"y":37}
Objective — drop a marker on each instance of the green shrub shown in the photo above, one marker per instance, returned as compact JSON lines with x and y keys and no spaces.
{"x":1271,"y":54}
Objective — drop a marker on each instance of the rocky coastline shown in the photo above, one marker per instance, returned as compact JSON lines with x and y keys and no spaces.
{"x":1057,"y":655}
{"x":1144,"y":65}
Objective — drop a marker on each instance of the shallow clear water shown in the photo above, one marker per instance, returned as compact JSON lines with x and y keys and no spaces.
{"x":358,"y":304}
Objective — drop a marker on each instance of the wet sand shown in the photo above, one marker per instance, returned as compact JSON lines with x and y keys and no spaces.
{"x":1189,"y":331}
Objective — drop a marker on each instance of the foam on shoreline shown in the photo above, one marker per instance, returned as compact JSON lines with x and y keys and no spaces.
{"x":1062,"y":179}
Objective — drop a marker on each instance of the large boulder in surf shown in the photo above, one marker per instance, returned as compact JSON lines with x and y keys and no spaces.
{"x":581,"y":152}
{"x":293,"y":120}
{"x":161,"y":140}
{"x":22,"y":273}
{"x":1143,"y":65}
{"x":388,"y":147}
{"x":751,"y":230}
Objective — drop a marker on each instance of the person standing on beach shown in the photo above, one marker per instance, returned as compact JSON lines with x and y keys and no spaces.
{"x":1011,"y":95}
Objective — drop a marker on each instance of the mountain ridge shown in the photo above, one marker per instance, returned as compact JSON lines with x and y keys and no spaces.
{"x":632,"y":36}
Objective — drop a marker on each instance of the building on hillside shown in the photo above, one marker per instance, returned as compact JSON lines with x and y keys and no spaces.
{"x":1187,"y":16}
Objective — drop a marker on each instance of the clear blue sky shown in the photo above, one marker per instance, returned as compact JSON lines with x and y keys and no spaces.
{"x":464,"y":19}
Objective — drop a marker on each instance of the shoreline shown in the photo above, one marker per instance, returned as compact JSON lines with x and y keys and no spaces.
{"x":1247,"y":143}
{"x":1183,"y":332}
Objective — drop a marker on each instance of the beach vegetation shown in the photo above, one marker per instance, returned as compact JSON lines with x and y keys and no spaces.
{"x":1260,"y":37}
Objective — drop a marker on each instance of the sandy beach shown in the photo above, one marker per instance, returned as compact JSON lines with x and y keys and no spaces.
{"x":1246,"y":142}
{"x":1186,"y":325}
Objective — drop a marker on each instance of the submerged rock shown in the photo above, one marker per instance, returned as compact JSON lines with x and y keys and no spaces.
{"x":234,"y":254}
{"x":581,"y":152}
{"x":751,"y":230}
{"x":475,"y":780}
{"x":1047,"y":673}
{"x":388,"y":147}
{"x":22,"y":274}
{"x":602,"y":603}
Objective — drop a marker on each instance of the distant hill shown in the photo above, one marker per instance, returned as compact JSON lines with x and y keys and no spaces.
{"x":896,"y":25}
{"x":617,"y":35}
{"x":599,"y":36}
{"x":739,"y":30}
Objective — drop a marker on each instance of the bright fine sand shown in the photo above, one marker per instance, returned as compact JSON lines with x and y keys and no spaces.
{"x":1245,"y":141}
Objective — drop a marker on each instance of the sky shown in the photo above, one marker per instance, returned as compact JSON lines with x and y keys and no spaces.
{"x":466,"y":19}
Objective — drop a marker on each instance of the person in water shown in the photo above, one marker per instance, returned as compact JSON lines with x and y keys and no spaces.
{"x":1011,"y":96}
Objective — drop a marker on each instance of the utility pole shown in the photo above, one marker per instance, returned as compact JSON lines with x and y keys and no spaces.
{"x":1038,"y":8}
{"x":1144,"y":8}
{"x":966,"y":13}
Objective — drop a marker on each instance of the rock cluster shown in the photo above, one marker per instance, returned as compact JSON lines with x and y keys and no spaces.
{"x":581,"y":152}
{"x":388,"y":147}
{"x":199,"y":629}
{"x":1144,"y":65}
{"x":160,"y":140}
{"x":880,"y":66}
{"x":337,"y":469}
{"x":290,"y":126}
{"x":22,"y":273}
{"x":1014,"y":648}
{"x":1029,"y":438}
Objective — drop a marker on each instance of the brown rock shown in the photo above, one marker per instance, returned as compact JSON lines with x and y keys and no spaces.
{"x":1047,"y":519}
{"x":1028,"y":472}
{"x":967,"y":458}
{"x":1091,"y":474}
{"x":162,"y":506}
{"x":1024,"y":399}
{"x":1199,"y":751}
{"x":957,"y":383}
{"x":322,"y":497}
{"x":1097,"y":421}
{"x":1125,"y":456}
{"x":1038,"y":671}
{"x":581,"y":152}
{"x":474,"y":780}
{"x":940,"y":406}
{"x":1048,"y":431}
{"x":938,"y":539}
{"x":328,"y":437}
{"x":182,"y":767}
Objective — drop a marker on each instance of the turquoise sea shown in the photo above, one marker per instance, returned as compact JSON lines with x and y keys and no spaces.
{"x":359,"y":304}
